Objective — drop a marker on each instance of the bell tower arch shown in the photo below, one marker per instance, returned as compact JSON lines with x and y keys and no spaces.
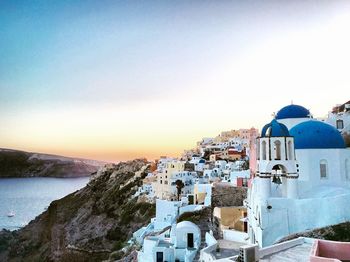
{"x":277,"y":164}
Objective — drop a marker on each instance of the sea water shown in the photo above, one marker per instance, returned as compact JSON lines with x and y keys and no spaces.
{"x":29,"y":197}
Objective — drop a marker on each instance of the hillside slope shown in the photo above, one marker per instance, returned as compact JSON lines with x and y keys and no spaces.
{"x":15,"y":163}
{"x":339,"y":232}
{"x":87,"y":225}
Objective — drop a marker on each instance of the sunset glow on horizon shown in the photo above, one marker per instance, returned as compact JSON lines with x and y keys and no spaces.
{"x":112,"y":80}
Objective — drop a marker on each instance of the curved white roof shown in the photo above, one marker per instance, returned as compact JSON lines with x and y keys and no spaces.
{"x":188,"y":225}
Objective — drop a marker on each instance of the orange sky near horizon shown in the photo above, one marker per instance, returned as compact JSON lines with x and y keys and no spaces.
{"x":120,"y":80}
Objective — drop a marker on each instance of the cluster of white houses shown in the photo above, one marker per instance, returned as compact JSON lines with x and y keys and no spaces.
{"x":299,"y":179}
{"x":229,"y":145}
{"x":201,"y":166}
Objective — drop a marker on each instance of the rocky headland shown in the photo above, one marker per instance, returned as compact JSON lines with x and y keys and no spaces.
{"x":92,"y":224}
{"x":14,"y":163}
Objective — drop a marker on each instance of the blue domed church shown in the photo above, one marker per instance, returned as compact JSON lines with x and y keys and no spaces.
{"x":302,"y":179}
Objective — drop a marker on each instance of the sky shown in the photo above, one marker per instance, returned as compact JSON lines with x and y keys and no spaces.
{"x":116,"y":80}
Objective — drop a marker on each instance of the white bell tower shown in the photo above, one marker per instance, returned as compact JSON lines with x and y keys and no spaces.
{"x":276,"y":161}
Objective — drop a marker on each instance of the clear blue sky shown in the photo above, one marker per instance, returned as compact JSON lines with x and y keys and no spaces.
{"x":119,"y":79}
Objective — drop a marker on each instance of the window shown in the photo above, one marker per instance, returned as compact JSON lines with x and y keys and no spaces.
{"x":277,"y":150}
{"x":165,"y":182}
{"x":340,"y":124}
{"x":290,"y":150}
{"x":347,"y":169}
{"x":323,"y":169}
{"x":263,"y":145}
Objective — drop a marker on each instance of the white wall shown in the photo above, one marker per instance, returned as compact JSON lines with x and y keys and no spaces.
{"x":237,"y":236}
{"x":309,"y":167}
{"x":288,"y":216}
{"x":166,"y":213}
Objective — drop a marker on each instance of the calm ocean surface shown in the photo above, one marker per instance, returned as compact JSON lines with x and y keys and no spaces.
{"x":29,"y":197}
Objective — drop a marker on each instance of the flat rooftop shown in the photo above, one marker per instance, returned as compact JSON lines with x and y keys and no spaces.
{"x":299,"y":253}
{"x":227,"y":249}
{"x":163,"y":243}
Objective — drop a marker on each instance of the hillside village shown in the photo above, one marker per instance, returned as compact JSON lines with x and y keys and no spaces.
{"x":278,"y":194}
{"x":296,"y":164}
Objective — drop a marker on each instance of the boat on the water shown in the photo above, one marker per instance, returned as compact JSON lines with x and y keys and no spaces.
{"x":11,"y":214}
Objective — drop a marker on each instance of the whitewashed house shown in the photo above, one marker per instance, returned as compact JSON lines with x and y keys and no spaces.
{"x":180,"y":244}
{"x":198,"y":162}
{"x":339,"y":117}
{"x":165,"y":185}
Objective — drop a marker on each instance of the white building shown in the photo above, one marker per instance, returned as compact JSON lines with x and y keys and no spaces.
{"x":163,"y":163}
{"x":212,"y":175}
{"x":198,"y":162}
{"x":302,"y":180}
{"x":166,"y":215}
{"x":339,"y":117}
{"x":145,"y":189}
{"x":220,"y":164}
{"x":180,"y":244}
{"x":165,"y":185}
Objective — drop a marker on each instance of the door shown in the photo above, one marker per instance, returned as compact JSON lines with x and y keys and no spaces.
{"x":190,"y":199}
{"x":245,"y":224}
{"x":190,"y":243}
{"x":159,"y":256}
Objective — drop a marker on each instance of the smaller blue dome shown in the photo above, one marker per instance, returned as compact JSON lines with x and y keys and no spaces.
{"x":314,"y":134}
{"x":292,"y":111}
{"x":274,"y":129}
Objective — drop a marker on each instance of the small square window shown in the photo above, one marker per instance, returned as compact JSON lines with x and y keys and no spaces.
{"x":340,"y":124}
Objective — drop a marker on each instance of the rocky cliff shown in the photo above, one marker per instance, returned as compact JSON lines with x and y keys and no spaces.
{"x":15,"y":163}
{"x":92,"y":224}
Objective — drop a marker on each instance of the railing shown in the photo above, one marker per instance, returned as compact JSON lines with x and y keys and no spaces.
{"x":279,"y":247}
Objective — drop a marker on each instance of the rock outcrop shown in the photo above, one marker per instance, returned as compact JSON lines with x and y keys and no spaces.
{"x":225,"y":195}
{"x":339,"y":232}
{"x":92,"y":224}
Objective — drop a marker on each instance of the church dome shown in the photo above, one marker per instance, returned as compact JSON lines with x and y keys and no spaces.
{"x":274,"y":129}
{"x":316,"y":134}
{"x":292,"y":111}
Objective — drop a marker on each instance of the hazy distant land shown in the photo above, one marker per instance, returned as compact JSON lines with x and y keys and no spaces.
{"x":14,"y":163}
